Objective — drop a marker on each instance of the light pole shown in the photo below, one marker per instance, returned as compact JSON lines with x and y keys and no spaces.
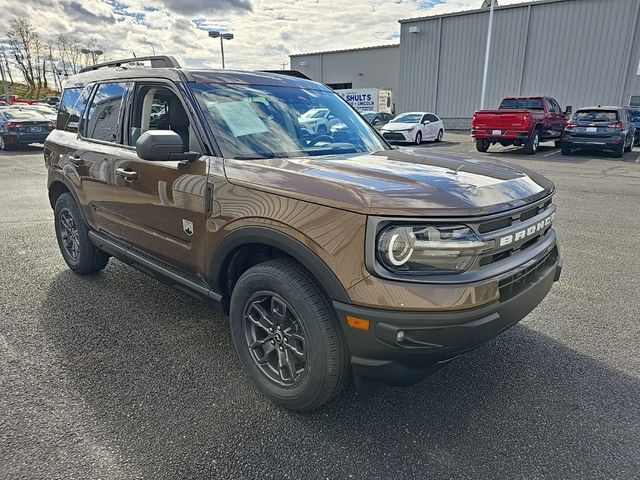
{"x":223,"y":36}
{"x":94,"y":53}
{"x":487,"y":53}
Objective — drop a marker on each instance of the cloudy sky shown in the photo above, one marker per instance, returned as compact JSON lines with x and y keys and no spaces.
{"x":266,"y":31}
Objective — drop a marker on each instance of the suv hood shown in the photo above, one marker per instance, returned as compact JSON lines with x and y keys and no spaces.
{"x":394,"y":182}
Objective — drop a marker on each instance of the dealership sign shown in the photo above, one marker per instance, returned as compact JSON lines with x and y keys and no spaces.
{"x":368,"y":99}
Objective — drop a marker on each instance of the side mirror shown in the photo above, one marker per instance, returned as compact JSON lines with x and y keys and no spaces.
{"x":427,"y":122}
{"x":569,"y":110}
{"x":162,"y":145}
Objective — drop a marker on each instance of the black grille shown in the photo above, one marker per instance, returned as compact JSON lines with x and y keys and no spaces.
{"x":393,"y":136}
{"x":512,"y":285}
{"x":505,"y":222}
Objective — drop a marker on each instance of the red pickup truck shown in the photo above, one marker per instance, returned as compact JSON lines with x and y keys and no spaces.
{"x":519,"y":121}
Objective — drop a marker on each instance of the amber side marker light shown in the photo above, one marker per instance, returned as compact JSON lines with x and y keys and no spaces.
{"x":357,"y":323}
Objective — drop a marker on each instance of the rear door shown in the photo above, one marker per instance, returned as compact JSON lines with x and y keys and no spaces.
{"x":160,"y":206}
{"x":556,"y":119}
{"x":82,"y":155}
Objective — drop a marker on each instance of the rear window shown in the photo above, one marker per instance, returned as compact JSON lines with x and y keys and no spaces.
{"x":22,"y":115}
{"x":522,"y":104}
{"x":73,"y":103}
{"x":596,"y":116}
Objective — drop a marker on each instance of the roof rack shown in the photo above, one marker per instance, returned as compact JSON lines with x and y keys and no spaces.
{"x":157,"y":61}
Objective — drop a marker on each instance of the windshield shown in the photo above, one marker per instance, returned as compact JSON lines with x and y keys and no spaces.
{"x":261,"y":121}
{"x":522,"y":104}
{"x":407,"y":118}
{"x":596,"y":116}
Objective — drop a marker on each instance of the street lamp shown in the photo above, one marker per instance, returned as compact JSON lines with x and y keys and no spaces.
{"x":223,"y":36}
{"x":94,"y":53}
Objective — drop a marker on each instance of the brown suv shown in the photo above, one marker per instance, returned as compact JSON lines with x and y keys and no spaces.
{"x":333,"y":254}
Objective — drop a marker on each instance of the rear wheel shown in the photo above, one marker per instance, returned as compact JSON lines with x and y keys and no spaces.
{"x":440,"y":135}
{"x":73,"y":238}
{"x":618,"y":152}
{"x":482,"y":145}
{"x":629,"y":147}
{"x":531,"y":147}
{"x":418,"y":139}
{"x":287,"y":336}
{"x":4,"y":145}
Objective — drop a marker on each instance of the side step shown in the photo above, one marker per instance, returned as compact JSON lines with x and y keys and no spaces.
{"x":172,"y":277}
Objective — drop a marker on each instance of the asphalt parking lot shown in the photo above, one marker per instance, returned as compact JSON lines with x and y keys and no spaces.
{"x":116,"y":376}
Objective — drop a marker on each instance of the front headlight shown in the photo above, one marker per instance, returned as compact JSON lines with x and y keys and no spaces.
{"x":429,"y":249}
{"x":405,"y":130}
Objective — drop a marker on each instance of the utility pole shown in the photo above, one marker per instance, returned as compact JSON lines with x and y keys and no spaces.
{"x":5,"y":84}
{"x":486,"y":55}
{"x":283,"y":65}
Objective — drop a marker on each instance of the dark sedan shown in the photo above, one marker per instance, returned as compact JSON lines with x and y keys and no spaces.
{"x":603,"y":128}
{"x":22,"y":127}
{"x":634,"y":117}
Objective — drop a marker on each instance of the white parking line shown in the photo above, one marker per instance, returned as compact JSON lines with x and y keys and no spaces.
{"x":552,"y":153}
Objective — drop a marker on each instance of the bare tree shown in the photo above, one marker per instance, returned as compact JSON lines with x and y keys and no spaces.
{"x":21,"y":38}
{"x":7,"y":67}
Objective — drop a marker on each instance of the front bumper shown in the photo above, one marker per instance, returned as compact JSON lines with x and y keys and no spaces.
{"x":396,"y":136}
{"x":402,"y":348}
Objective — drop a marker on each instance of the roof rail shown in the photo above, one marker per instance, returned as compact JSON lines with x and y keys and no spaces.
{"x":289,"y":73}
{"x":157,"y":61}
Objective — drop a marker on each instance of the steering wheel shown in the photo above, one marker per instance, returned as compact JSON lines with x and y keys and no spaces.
{"x":321,"y":138}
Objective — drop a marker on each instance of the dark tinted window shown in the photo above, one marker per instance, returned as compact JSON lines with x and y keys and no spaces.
{"x":522,"y":104}
{"x":596,"y":116}
{"x":73,"y":102}
{"x":431,"y":117}
{"x":634,"y":115}
{"x":102,"y":121}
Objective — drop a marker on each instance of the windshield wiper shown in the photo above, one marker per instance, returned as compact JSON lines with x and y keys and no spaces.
{"x":258,"y":157}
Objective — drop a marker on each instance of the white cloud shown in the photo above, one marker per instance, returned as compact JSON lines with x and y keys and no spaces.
{"x":266,"y":31}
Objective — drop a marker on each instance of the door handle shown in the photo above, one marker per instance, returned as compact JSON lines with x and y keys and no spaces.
{"x":76,"y":160}
{"x":128,"y":175}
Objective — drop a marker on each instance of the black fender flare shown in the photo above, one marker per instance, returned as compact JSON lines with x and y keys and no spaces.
{"x":56,"y":176}
{"x":289,"y":245}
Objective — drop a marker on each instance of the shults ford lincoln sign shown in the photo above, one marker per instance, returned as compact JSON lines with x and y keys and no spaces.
{"x":368,"y":99}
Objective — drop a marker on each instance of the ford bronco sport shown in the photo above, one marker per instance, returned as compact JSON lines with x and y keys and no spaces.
{"x":334,"y":255}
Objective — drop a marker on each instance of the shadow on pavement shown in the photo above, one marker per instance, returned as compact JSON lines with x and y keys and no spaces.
{"x":161,"y":375}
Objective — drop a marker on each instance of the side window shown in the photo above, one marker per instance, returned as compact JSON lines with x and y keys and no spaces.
{"x":551,"y":106}
{"x":158,"y":108}
{"x":556,"y":106}
{"x":431,"y":117}
{"x":102,"y":121}
{"x":424,"y":118}
{"x":72,"y":105}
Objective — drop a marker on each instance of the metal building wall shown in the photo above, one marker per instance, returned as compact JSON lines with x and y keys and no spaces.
{"x":376,"y":67}
{"x":579,"y":51}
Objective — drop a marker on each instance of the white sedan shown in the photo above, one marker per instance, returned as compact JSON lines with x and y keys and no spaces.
{"x":318,"y":121}
{"x":414,"y":127}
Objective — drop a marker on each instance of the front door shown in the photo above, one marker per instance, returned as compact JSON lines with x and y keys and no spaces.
{"x":161,"y":205}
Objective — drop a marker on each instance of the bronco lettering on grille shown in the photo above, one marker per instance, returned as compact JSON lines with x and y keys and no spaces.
{"x":527,"y":232}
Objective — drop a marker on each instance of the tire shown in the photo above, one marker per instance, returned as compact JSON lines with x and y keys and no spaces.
{"x":531,"y":147}
{"x":566,"y":150}
{"x":73,"y":238}
{"x":630,"y":147}
{"x":558,"y":143}
{"x":440,"y":135}
{"x":418,"y":139}
{"x":4,"y":146}
{"x":322,"y":130}
{"x":482,"y":145}
{"x":291,"y":299}
{"x":618,"y":152}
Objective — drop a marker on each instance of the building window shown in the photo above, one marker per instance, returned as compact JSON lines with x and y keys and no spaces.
{"x":340,"y":86}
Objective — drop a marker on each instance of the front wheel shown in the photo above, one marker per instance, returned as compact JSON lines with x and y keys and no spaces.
{"x":287,"y":335}
{"x":322,"y":130}
{"x":418,"y":139}
{"x":73,"y":238}
{"x":482,"y":145}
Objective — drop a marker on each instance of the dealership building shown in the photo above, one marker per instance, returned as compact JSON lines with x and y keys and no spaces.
{"x":581,"y":52}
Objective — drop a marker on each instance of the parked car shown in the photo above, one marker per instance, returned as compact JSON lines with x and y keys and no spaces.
{"x":525,"y":121}
{"x":603,"y":128}
{"x":332,"y":257}
{"x":21,"y":127}
{"x":52,"y":100}
{"x":318,"y":120}
{"x":634,"y":117}
{"x":46,"y":111}
{"x":377,"y":119}
{"x":414,"y":127}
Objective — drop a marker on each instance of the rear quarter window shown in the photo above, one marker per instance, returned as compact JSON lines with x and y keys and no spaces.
{"x":74,"y":100}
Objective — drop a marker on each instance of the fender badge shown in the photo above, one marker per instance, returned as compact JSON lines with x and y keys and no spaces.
{"x":187,"y":226}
